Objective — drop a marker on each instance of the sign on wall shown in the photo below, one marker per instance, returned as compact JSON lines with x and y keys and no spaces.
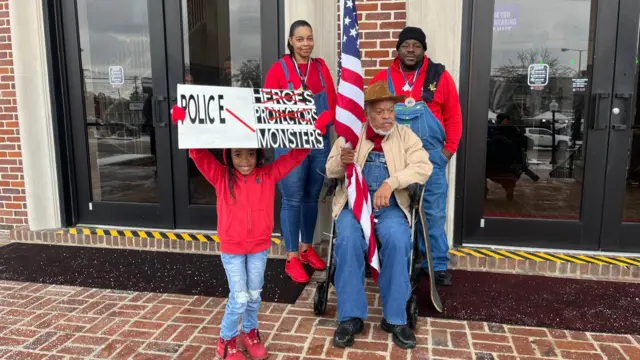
{"x":116,"y":76}
{"x":220,"y":117}
{"x":538,"y":76}
{"x":505,"y":17}
{"x":579,"y":84}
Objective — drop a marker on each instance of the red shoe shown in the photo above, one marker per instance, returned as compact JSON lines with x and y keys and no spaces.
{"x":228,"y":350}
{"x":296,"y":271}
{"x":252,"y":343}
{"x":312,"y":258}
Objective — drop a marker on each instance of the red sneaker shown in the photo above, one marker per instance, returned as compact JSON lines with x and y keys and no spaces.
{"x":228,"y":350}
{"x":296,"y":271}
{"x":312,"y":258}
{"x":252,"y":343}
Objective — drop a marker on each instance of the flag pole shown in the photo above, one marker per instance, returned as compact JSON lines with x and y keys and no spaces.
{"x":340,"y":32}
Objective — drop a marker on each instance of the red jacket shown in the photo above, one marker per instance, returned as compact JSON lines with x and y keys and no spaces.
{"x":245,"y":224}
{"x":445,"y":105}
{"x":276,"y":80}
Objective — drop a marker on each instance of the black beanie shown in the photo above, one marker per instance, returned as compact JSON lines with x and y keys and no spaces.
{"x":412,"y":33}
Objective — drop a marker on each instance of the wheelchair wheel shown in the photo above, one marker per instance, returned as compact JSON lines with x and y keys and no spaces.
{"x":412,"y":312}
{"x":320,"y":299}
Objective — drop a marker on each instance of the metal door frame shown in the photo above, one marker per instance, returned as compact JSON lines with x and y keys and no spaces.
{"x":617,"y":235}
{"x":157,"y":215}
{"x":187,"y":215}
{"x":474,"y":228}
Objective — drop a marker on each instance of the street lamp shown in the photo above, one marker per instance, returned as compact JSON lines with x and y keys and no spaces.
{"x":554,"y":108}
{"x":579,"y":57}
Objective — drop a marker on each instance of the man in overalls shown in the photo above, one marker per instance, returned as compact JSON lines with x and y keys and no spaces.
{"x":432,"y":111}
{"x":391,"y":158}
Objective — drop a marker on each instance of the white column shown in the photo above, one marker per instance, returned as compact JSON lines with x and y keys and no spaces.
{"x":34,"y":113}
{"x":441,"y":20}
{"x":322,"y":15}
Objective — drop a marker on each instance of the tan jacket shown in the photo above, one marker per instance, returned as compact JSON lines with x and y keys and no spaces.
{"x":407,"y":161}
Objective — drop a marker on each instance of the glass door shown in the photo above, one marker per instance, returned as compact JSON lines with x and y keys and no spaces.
{"x":546,"y":140}
{"x":116,"y":70}
{"x":621,"y":224}
{"x":221,"y":43}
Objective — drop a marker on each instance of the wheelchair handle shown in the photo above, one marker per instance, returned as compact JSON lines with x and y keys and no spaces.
{"x":415,"y":194}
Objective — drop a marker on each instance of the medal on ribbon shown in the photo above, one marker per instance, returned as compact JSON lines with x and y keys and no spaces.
{"x":410,"y":102}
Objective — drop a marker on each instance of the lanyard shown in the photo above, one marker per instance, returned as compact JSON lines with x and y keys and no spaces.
{"x":408,"y":87}
{"x":303,"y":80}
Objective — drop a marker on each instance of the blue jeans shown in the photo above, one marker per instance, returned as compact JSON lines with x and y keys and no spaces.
{"x":245,"y":274}
{"x":435,"y":208}
{"x":300,"y":191}
{"x":429,"y":129}
{"x":394,"y":235}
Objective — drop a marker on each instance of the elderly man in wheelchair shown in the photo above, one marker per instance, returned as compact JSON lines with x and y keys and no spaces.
{"x":392,"y":158}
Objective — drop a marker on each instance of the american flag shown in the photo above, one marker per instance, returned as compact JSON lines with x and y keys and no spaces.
{"x":349,"y":119}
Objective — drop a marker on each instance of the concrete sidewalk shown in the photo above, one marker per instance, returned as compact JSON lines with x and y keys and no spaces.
{"x":58,"y":322}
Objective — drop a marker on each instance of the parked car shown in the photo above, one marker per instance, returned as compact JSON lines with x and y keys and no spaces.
{"x":542,"y":137}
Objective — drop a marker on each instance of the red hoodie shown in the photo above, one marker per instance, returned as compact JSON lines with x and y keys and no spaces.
{"x":275,"y":79}
{"x":445,"y":105}
{"x":245,"y":224}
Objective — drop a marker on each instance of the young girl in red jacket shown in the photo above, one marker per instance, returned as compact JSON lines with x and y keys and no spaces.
{"x":300,"y":190}
{"x":245,"y":197}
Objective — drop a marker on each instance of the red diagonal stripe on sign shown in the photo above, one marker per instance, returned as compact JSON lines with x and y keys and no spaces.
{"x":241,"y":121}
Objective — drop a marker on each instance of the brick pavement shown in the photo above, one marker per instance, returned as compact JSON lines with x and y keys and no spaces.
{"x":58,"y":322}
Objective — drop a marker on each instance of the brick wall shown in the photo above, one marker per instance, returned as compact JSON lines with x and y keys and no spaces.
{"x":380,"y":24}
{"x":13,"y":207}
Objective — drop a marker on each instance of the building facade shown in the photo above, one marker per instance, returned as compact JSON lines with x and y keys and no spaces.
{"x":550,"y":156}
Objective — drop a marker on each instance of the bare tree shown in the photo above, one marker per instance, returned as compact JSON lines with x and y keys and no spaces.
{"x":526,"y":57}
{"x":509,"y":86}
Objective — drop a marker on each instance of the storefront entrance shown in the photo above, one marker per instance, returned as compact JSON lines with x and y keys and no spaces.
{"x":552,"y":150}
{"x":124,"y":59}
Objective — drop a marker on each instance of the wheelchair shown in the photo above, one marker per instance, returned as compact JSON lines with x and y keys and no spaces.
{"x":322,"y":288}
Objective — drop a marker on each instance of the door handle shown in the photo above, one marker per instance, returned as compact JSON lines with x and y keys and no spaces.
{"x":159,"y":117}
{"x":598,"y":123}
{"x":626,"y":121}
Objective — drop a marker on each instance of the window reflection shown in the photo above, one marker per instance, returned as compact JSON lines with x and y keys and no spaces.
{"x":632,"y":198}
{"x":537,"y":108}
{"x":116,"y":63}
{"x":223,"y":48}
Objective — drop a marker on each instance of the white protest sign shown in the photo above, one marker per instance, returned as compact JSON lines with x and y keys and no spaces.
{"x":220,"y":117}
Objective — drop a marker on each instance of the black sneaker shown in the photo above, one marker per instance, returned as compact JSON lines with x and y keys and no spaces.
{"x":403,"y":336}
{"x":344,"y":335}
{"x":443,"y":278}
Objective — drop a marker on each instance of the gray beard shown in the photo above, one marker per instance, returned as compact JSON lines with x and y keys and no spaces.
{"x":381,"y":132}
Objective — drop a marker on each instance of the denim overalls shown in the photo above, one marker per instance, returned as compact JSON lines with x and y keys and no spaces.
{"x":429,"y":129}
{"x":394,"y":237}
{"x":300,"y":190}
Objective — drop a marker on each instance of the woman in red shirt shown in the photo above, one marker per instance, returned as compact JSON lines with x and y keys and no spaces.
{"x":300,"y":190}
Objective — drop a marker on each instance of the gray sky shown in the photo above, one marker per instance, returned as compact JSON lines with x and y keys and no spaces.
{"x":245,"y":30}
{"x":116,"y":32}
{"x":550,"y":24}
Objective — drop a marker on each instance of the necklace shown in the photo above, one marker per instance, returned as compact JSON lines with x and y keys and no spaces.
{"x":303,"y":79}
{"x":408,"y":87}
{"x":410,"y":101}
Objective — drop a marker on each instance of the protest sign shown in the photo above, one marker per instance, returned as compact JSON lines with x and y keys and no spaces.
{"x":228,"y":117}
